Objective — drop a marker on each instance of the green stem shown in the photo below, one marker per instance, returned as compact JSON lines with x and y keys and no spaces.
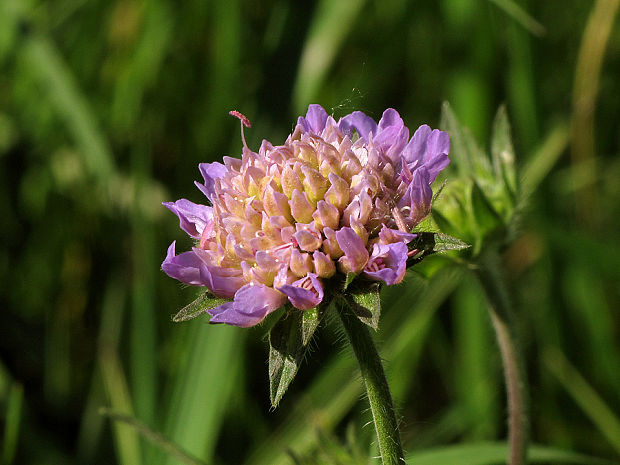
{"x":376,"y":387}
{"x":492,"y":281}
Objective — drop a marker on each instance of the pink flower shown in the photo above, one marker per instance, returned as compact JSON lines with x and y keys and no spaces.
{"x":286,"y":221}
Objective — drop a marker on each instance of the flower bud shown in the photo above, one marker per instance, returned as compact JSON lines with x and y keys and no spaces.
{"x":326,"y":215}
{"x":330,"y":244}
{"x":301,"y":263}
{"x":290,"y":181}
{"x":355,"y":253}
{"x":276,"y":203}
{"x":323,"y":265}
{"x":315,"y":185}
{"x":338,"y":193}
{"x":308,"y":240}
{"x":301,"y":208}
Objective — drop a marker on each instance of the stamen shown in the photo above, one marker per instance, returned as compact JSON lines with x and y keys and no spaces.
{"x":244,"y":122}
{"x":376,"y":265}
{"x":411,"y":253}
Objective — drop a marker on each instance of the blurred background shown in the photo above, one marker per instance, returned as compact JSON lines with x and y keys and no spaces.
{"x":106,"y":109}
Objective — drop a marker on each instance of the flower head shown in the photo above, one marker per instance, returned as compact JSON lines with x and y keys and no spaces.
{"x":337,"y":197}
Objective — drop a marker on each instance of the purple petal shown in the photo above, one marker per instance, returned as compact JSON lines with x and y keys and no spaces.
{"x":438,"y":142}
{"x":429,"y":148}
{"x":363,"y":124}
{"x":392,"y":141}
{"x":210,"y":172}
{"x":435,"y":165}
{"x":387,"y":263}
{"x":223,"y":282}
{"x":416,"y":148}
{"x":355,"y":253}
{"x":390,"y":118}
{"x":315,"y":119}
{"x":418,"y":196}
{"x":192,"y":217}
{"x":226,"y":313}
{"x":251,"y":305}
{"x":305,"y":293}
{"x":416,"y":189}
{"x":185,"y":267}
{"x":389,"y":236}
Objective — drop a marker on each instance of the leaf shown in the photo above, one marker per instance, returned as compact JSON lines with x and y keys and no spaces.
{"x":348,"y":280}
{"x":493,"y":453}
{"x":288,"y":342}
{"x":502,"y":152}
{"x":485,"y":214}
{"x":429,"y":243}
{"x":154,"y":437}
{"x":366,"y":304}
{"x":459,"y":153}
{"x":444,"y":243}
{"x":468,"y":158}
{"x":204,"y":302}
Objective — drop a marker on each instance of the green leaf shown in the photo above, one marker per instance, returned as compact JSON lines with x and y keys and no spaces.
{"x":348,"y":280}
{"x":459,"y":153}
{"x":288,"y":342}
{"x":429,"y":243}
{"x":490,"y":453}
{"x":204,"y":302}
{"x":502,"y":152}
{"x":444,"y":243}
{"x":366,"y":303}
{"x":485,"y":214}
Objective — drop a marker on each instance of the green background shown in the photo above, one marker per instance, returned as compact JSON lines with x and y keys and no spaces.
{"x":106,"y":109}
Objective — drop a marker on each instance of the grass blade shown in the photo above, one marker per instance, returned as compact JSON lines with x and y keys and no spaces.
{"x":584,"y":395}
{"x":12,"y":421}
{"x":202,"y":388}
{"x":490,"y":453}
{"x":514,"y":10}
{"x":71,"y":105}
{"x":126,"y":438}
{"x":331,"y":24}
{"x":154,"y":437}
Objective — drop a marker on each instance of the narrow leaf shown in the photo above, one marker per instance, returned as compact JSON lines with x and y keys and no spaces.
{"x":502,"y":151}
{"x":513,"y":9}
{"x":429,"y":243}
{"x":444,"y":243}
{"x":487,"y":218}
{"x":348,"y":280}
{"x":204,"y":302}
{"x":153,"y":437}
{"x":288,"y":342}
{"x":366,"y":304}
{"x":492,"y":453}
{"x":459,"y":153}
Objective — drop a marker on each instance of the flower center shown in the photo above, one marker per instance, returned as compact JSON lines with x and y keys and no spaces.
{"x":307,"y":284}
{"x":376,"y":265}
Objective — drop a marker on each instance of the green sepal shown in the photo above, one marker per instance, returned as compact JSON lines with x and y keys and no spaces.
{"x":348,"y":280}
{"x":428,"y":243}
{"x":445,"y":243}
{"x":365,"y":302}
{"x":204,"y":302}
{"x":288,"y":342}
{"x":487,"y":218}
{"x":502,"y":152}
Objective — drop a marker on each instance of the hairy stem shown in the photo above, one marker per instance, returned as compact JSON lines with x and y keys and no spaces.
{"x":376,"y":384}
{"x":492,"y":281}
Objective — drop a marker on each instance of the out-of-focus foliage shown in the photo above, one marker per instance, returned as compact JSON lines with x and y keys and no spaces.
{"x":107,"y":107}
